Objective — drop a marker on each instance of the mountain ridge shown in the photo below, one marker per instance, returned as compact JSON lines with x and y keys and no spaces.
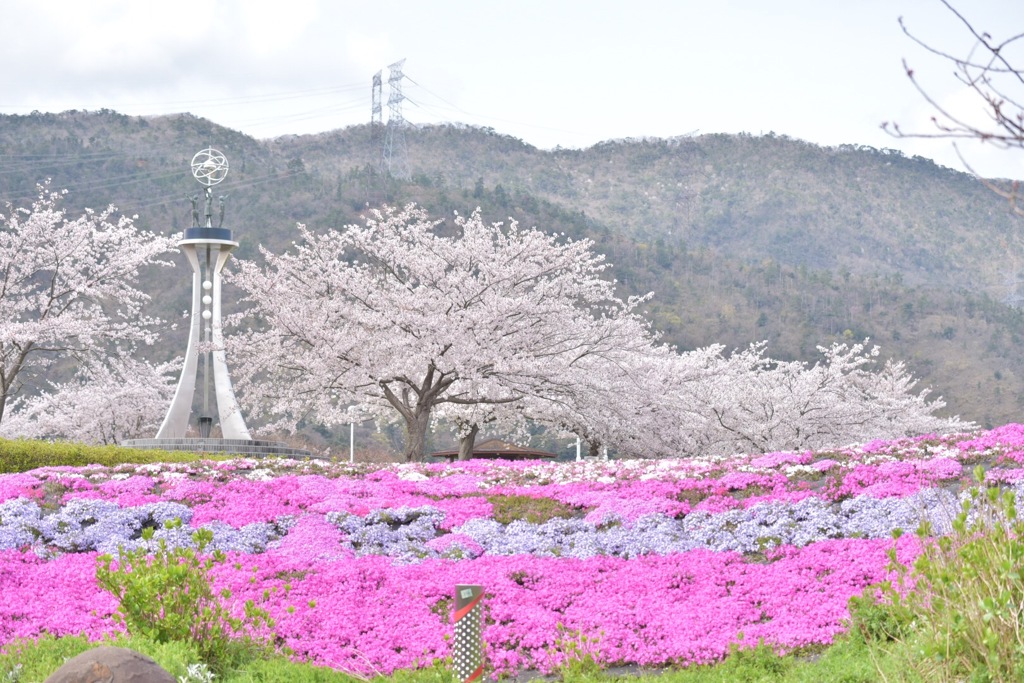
{"x":741,"y":237}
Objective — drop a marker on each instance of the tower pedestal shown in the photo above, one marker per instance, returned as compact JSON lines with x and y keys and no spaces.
{"x":250,"y":448}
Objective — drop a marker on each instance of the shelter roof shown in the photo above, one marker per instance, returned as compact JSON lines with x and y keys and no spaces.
{"x":496,"y":449}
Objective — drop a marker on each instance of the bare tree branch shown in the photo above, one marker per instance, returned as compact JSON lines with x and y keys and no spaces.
{"x":998,"y":85}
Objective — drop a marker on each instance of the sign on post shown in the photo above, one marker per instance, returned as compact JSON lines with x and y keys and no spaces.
{"x":468,"y":657}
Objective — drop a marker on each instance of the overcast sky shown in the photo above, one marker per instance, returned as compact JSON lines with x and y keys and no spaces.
{"x":551,"y":72}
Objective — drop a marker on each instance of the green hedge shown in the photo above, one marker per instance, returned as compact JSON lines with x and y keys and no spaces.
{"x":21,"y":455}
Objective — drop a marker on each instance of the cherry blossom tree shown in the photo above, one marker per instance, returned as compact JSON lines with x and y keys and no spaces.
{"x":408,"y":315}
{"x":747,"y":402}
{"x":597,"y":397}
{"x":709,"y":402}
{"x":615,"y":400}
{"x":488,"y":326}
{"x":122,"y":398}
{"x":68,"y":287}
{"x":466,"y":420}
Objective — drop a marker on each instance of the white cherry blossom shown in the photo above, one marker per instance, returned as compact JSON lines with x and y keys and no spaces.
{"x":68,"y":287}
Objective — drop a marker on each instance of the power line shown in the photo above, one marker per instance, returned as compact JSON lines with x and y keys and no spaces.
{"x":453,"y":106}
{"x":324,"y":112}
{"x":56,"y":161}
{"x":278,"y":98}
{"x":243,"y":184}
{"x":121,"y":181}
{"x":83,"y":155}
{"x":241,"y":99}
{"x":481,"y":117}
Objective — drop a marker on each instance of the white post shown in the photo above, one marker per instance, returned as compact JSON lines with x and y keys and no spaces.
{"x":351,"y":441}
{"x":604,"y":453}
{"x":578,"y":456}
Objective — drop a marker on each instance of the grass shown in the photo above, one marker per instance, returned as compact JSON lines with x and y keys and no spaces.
{"x":850,"y":660}
{"x":34,"y":661}
{"x":964,"y":619}
{"x":535,"y":510}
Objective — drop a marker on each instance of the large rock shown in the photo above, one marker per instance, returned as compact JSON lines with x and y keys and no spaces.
{"x":110,"y":665}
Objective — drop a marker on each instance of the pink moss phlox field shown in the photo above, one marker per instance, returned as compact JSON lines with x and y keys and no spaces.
{"x":59,"y":597}
{"x":313,"y":539}
{"x":361,"y":614}
{"x":135,"y":490}
{"x":773,"y":460}
{"x":1004,"y":476}
{"x":1007,"y":437}
{"x":17,"y":485}
{"x":898,"y":478}
{"x":336,"y":605}
{"x":628,"y":499}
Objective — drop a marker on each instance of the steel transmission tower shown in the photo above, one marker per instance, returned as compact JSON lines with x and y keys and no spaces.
{"x":376,"y":122}
{"x":394,"y":160}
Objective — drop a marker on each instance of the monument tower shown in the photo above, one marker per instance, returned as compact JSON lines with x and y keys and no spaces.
{"x":207,"y":249}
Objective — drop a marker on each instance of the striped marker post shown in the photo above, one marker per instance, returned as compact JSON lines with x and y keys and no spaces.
{"x":468,"y":657}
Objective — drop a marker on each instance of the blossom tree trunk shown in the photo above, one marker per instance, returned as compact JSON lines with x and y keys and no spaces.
{"x":414,"y":403}
{"x":467,"y":442}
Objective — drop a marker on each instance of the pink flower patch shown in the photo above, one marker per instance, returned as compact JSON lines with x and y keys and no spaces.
{"x":773,"y":460}
{"x":18,"y":486}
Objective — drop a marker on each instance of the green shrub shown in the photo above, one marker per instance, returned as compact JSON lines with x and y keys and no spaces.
{"x":579,"y":655}
{"x":168,"y":597}
{"x":965,"y":615}
{"x":881,"y":615}
{"x":751,"y":664}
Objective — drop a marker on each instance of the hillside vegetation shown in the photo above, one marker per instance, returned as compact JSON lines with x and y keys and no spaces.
{"x":742,"y":238}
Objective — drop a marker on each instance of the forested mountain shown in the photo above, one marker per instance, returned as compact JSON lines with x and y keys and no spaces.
{"x":741,"y":238}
